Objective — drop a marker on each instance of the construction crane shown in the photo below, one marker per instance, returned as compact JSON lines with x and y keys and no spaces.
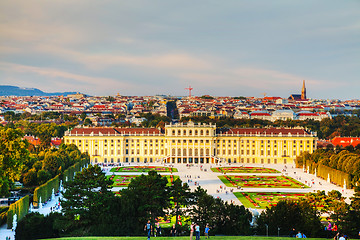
{"x":189,"y":88}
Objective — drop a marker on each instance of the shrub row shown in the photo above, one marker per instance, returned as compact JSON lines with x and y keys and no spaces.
{"x":20,"y":208}
{"x":69,"y":173}
{"x":44,"y":191}
{"x":3,"y":217}
{"x":336,"y":176}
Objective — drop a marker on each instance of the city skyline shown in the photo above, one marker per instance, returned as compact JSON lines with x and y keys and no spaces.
{"x":233,"y":48}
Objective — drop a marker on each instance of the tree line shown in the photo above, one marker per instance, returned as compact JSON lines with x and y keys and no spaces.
{"x":20,"y":161}
{"x":89,"y":208}
{"x":345,"y":160}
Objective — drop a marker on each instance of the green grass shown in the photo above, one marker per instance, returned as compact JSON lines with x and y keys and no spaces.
{"x":143,"y":169}
{"x":185,"y":238}
{"x":263,"y":200}
{"x":244,"y":170}
{"x":261,"y":181}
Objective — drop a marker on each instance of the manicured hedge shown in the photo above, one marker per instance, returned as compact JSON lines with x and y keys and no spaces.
{"x":70,"y":172}
{"x":44,"y":191}
{"x":3,"y":217}
{"x":20,"y":208}
{"x":322,"y":171}
{"x":336,"y":176}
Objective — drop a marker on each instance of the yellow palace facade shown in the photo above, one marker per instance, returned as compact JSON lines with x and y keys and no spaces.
{"x":192,"y":143}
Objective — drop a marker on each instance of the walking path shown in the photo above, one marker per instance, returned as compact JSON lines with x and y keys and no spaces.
{"x":209,"y":180}
{"x":4,"y":232}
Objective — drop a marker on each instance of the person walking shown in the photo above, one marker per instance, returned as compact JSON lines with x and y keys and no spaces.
{"x":207,"y":229}
{"x":148,"y":229}
{"x":192,"y":230}
{"x":173,"y":231}
{"x":158,"y":229}
{"x":197,"y":232}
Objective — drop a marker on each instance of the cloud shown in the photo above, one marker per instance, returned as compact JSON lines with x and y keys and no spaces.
{"x":56,"y":76}
{"x":177,"y":60}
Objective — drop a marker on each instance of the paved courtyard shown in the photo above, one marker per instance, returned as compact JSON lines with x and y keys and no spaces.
{"x":204,"y":177}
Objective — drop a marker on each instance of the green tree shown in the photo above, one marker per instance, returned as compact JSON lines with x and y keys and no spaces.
{"x":181,"y":197}
{"x":290,"y":214}
{"x":13,"y":153}
{"x":150,"y":196}
{"x":83,"y":115}
{"x":202,"y":210}
{"x":88,"y":122}
{"x":223,"y":218}
{"x":85,"y":197}
{"x":36,"y":226}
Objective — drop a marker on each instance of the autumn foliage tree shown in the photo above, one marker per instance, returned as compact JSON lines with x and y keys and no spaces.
{"x":13,"y":153}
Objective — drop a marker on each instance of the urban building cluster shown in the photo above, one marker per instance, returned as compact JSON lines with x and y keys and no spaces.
{"x":295,"y":107}
{"x":130,"y":108}
{"x":96,"y":108}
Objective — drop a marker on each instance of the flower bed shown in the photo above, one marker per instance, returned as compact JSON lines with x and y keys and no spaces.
{"x":261,"y":181}
{"x":124,"y":180}
{"x":268,"y":199}
{"x":143,"y":169}
{"x":244,"y":170}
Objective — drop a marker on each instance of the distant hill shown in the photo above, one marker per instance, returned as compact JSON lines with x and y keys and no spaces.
{"x":6,"y":90}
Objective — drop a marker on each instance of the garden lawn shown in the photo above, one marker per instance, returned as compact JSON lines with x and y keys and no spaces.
{"x":265,"y":199}
{"x":261,"y":181}
{"x":244,"y":170}
{"x":124,"y":180}
{"x":143,"y":169}
{"x":186,"y":238}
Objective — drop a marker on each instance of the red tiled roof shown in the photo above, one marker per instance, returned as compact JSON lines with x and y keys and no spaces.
{"x":33,"y":140}
{"x":138,"y":130}
{"x":114,"y":131}
{"x":260,"y":114}
{"x":243,"y":131}
{"x":56,"y":142}
{"x":285,"y":131}
{"x":94,"y":131}
{"x":308,"y":114}
{"x":267,"y":131}
{"x":345,"y":141}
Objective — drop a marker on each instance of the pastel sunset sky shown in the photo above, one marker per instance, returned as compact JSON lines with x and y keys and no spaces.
{"x":221,"y":48}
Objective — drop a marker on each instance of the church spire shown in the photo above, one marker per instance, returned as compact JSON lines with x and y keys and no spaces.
{"x":303,"y":91}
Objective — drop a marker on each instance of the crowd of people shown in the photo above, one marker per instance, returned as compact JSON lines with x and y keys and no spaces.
{"x":332,"y":231}
{"x":194,"y":228}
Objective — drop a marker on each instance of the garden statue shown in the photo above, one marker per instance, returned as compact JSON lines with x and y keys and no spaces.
{"x":14,"y":223}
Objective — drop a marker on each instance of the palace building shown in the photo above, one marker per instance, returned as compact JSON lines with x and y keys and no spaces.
{"x":192,"y":143}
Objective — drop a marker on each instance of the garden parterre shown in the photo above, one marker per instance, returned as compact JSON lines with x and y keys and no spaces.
{"x":124,"y":180}
{"x":257,"y":181}
{"x":265,"y":199}
{"x":143,"y":169}
{"x":244,"y":170}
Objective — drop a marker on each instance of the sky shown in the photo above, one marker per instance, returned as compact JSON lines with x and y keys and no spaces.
{"x":220,"y":48}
